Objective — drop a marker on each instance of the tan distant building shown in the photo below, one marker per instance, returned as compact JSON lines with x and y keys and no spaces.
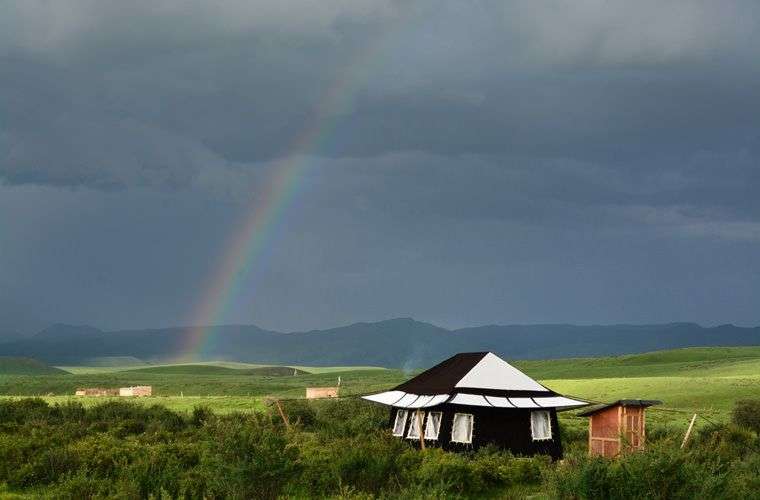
{"x":96,"y":392}
{"x":321,"y":392}
{"x":138,"y":390}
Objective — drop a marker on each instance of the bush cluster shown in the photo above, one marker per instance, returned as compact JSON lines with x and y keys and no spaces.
{"x":330,"y":448}
{"x":721,"y":462}
{"x":747,"y":414}
{"x":339,"y":449}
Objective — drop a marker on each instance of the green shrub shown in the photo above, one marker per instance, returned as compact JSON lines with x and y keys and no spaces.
{"x":340,"y":449}
{"x":301,"y":413}
{"x":104,"y":455}
{"x":249,"y":458}
{"x":657,"y":473}
{"x":434,"y":467}
{"x":201,"y":415}
{"x":162,"y":469}
{"x":746,"y":413}
{"x":573,"y":431}
{"x":500,"y":469}
{"x":349,"y":417}
{"x":81,"y":486}
{"x":745,"y":480}
{"x":726,"y":442}
{"x":366,"y":464}
{"x":23,"y":410}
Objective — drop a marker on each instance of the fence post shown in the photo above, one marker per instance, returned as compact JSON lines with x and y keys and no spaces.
{"x":688,"y":431}
{"x":282,"y":414}
{"x":421,"y":429}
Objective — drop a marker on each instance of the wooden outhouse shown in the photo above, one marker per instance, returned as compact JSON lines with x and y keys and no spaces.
{"x":617,"y":427}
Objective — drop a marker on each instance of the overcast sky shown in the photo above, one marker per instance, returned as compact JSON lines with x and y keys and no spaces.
{"x":474,"y":162}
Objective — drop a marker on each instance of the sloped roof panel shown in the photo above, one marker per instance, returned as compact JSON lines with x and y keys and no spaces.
{"x":407,"y":400}
{"x":443,"y":377}
{"x":523,"y":402}
{"x":499,"y":402}
{"x":469,"y":400}
{"x":559,"y":402}
{"x":492,"y":372}
{"x":420,"y":402}
{"x":386,"y":398}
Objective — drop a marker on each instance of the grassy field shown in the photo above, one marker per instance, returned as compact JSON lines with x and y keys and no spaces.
{"x":336,"y":441}
{"x":202,"y":383}
{"x":699,"y":361}
{"x":703,"y":380}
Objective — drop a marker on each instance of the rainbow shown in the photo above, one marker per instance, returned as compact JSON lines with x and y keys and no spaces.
{"x":246,"y":245}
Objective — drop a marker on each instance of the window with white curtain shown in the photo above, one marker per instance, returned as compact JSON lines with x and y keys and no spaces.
{"x":433,"y":425}
{"x":540,"y":425}
{"x":461,"y":429}
{"x":414,"y":424}
{"x":398,"y":425}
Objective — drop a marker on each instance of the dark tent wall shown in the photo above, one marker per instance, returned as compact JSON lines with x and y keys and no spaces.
{"x":506,"y":428}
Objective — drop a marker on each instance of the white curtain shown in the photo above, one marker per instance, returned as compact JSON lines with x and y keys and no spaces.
{"x":398,"y":425}
{"x":540,"y":425}
{"x":433,"y":425}
{"x":461,"y":430}
{"x":414,"y":426}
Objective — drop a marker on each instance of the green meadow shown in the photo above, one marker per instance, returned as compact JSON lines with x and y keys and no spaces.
{"x":703,"y":380}
{"x":207,"y":420}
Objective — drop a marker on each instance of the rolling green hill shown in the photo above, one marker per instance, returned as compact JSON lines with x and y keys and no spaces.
{"x":115,"y":361}
{"x":26,"y":366}
{"x":692,"y":361}
{"x":204,"y":369}
{"x":704,"y":380}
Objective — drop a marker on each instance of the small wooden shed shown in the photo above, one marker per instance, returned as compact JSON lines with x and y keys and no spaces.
{"x":617,"y":427}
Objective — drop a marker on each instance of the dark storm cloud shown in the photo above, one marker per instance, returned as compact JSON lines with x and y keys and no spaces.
{"x":111,"y":94}
{"x":538,"y":154}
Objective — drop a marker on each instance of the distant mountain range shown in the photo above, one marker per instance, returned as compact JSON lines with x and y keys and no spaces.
{"x":401,"y":342}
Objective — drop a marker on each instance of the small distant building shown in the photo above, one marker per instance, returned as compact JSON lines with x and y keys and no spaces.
{"x":96,"y":392}
{"x":617,"y":427}
{"x":138,"y":390}
{"x":321,"y":392}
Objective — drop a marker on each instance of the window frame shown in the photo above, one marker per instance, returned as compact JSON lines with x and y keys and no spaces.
{"x":549,"y":426}
{"x":413,"y":424}
{"x":403,"y":425}
{"x":471,"y":429}
{"x":428,"y":422}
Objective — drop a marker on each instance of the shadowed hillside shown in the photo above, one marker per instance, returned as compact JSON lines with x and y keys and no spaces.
{"x":194,"y":369}
{"x":403,"y":343}
{"x":26,"y":366}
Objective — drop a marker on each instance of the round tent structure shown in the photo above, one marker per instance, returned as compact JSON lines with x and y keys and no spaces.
{"x":476,"y":398}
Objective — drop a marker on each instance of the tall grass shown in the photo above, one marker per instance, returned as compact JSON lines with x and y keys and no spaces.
{"x":339,"y":449}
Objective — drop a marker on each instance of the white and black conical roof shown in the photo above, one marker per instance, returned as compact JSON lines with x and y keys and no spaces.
{"x":474,"y":379}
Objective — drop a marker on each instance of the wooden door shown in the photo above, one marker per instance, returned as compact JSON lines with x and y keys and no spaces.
{"x":633,"y":428}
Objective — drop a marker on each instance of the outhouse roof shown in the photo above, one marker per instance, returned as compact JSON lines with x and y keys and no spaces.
{"x":644,"y":403}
